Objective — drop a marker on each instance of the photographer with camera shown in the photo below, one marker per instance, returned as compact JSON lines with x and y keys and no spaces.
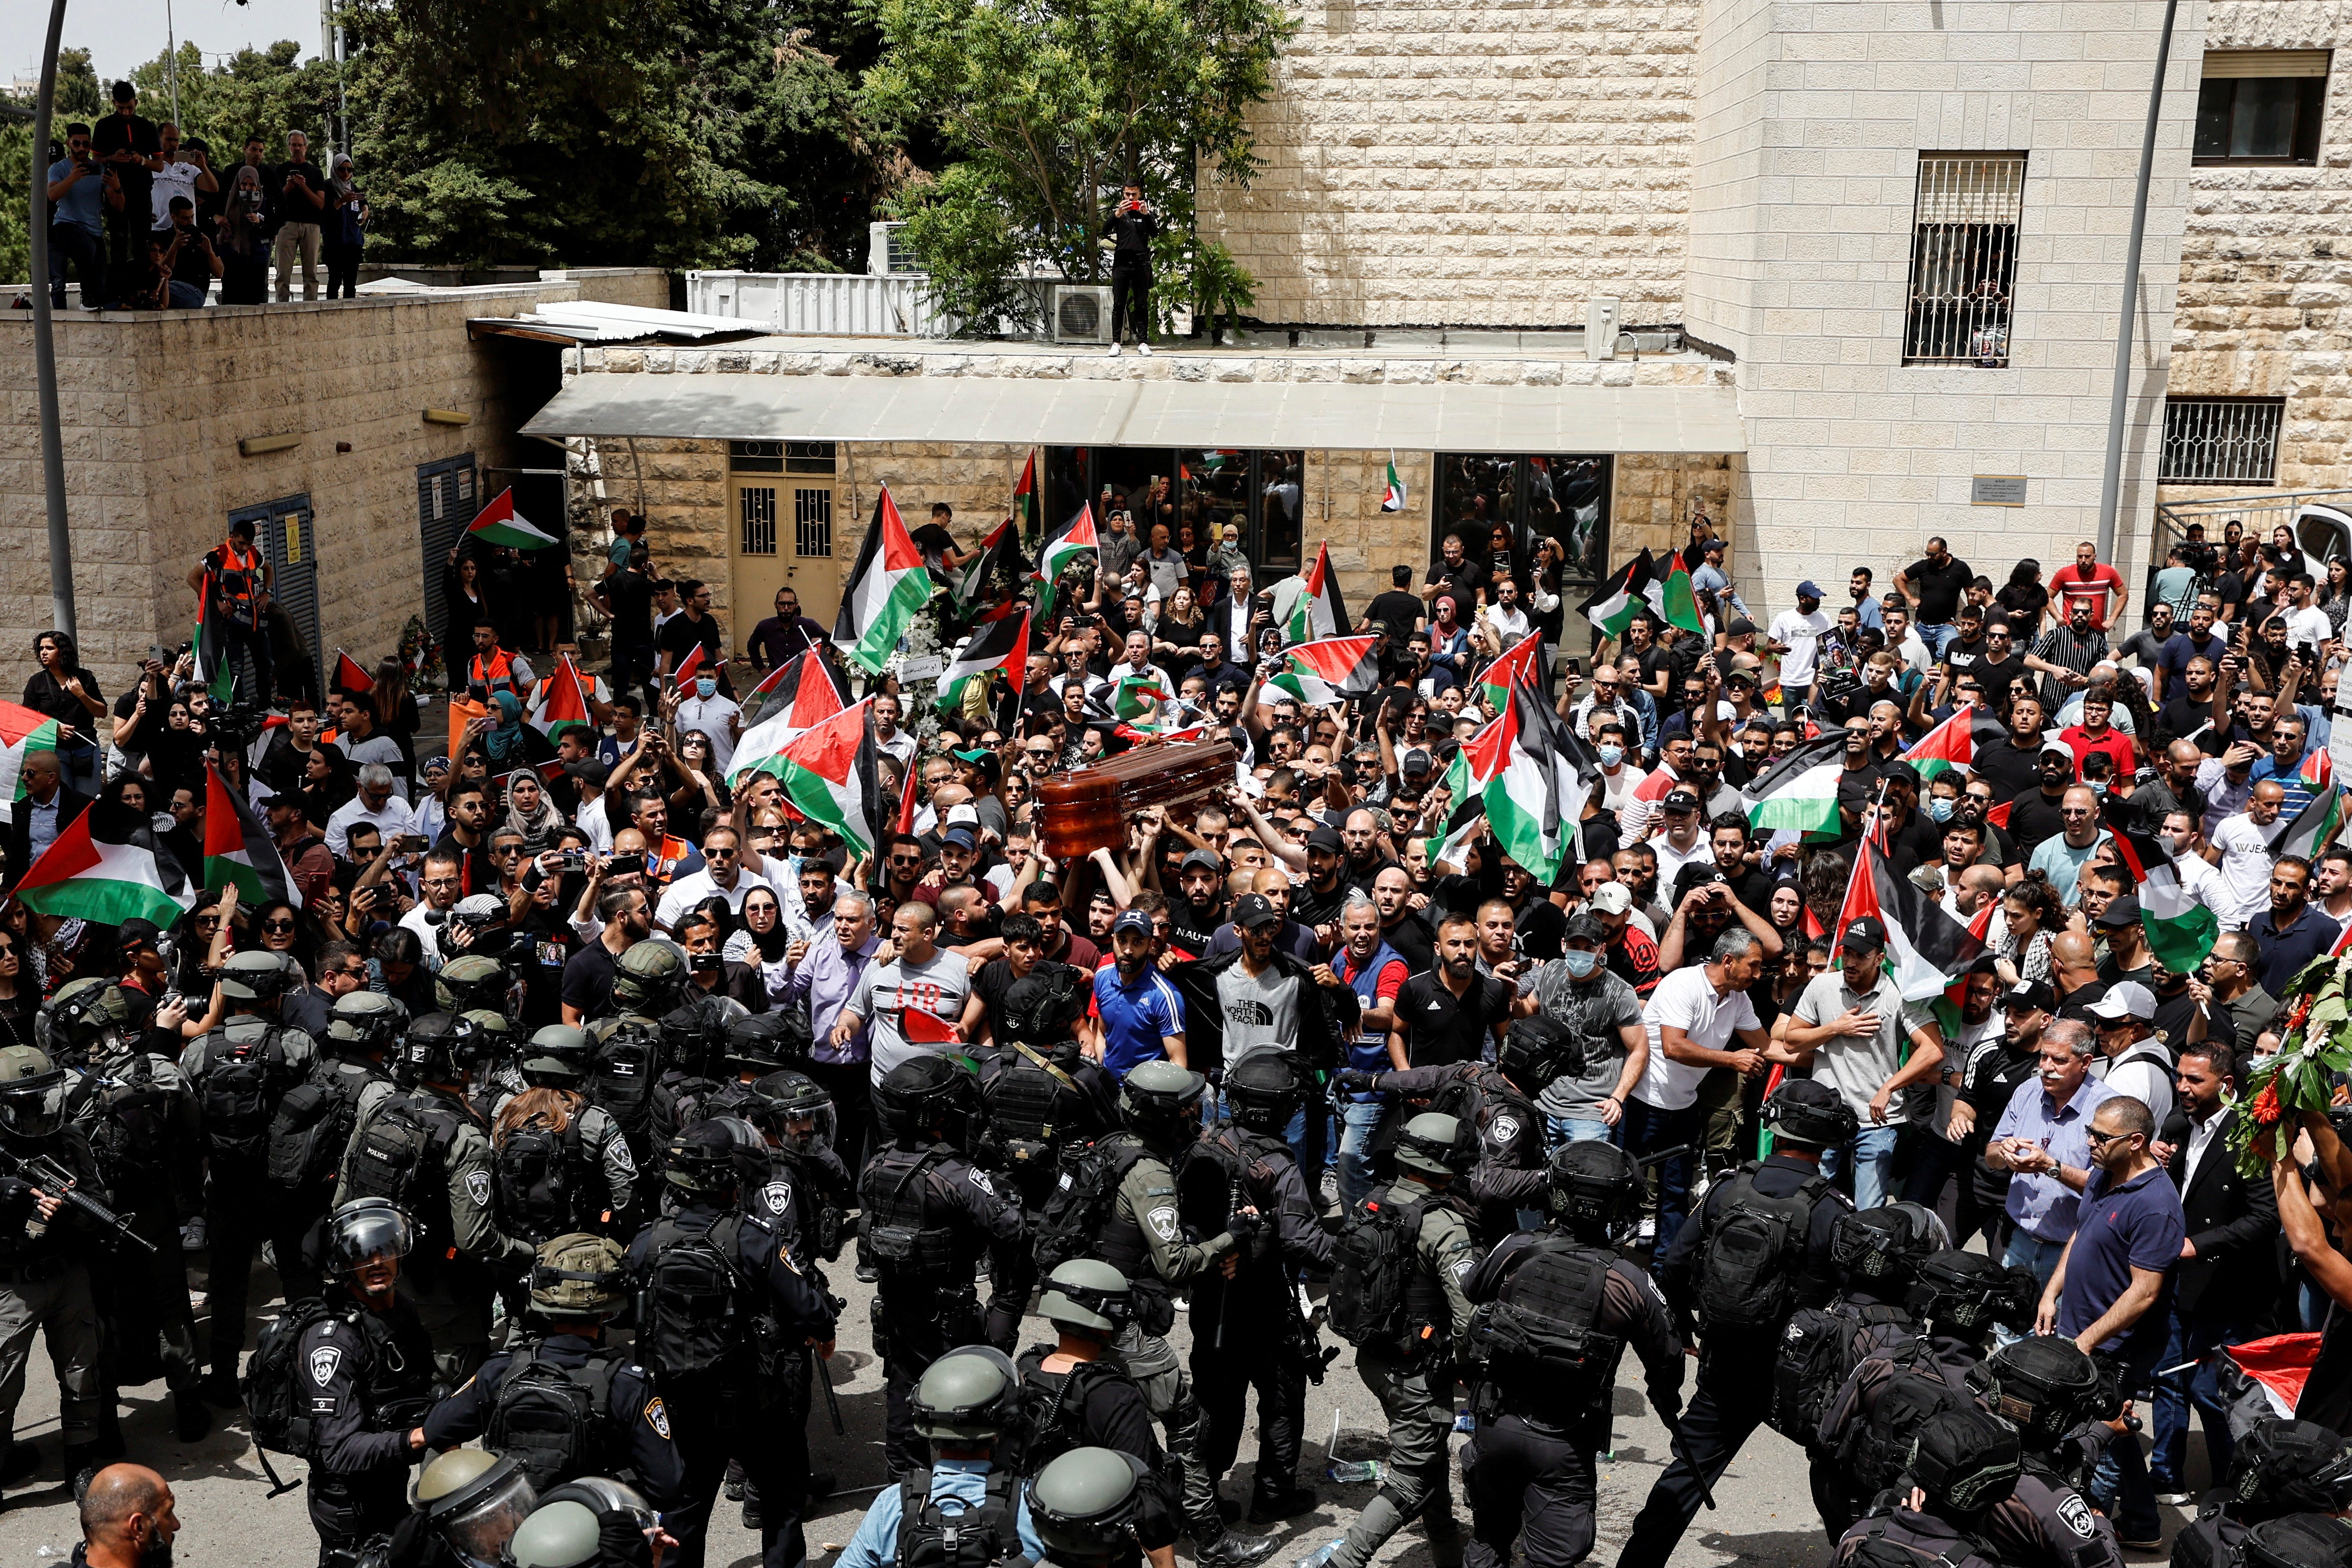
{"x":189,"y":257}
{"x":179,"y":174}
{"x":1130,"y":228}
{"x":82,"y":192}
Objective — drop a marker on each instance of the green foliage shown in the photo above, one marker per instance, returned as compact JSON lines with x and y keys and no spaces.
{"x":1047,"y":106}
{"x":79,"y":96}
{"x":254,"y":93}
{"x":16,"y":177}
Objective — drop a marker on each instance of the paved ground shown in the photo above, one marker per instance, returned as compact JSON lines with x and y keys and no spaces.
{"x":1765,"y":1517}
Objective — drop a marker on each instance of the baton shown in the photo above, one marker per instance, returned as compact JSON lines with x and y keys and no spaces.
{"x":277,"y":1487}
{"x":832,"y":1400}
{"x":1674,"y":1445}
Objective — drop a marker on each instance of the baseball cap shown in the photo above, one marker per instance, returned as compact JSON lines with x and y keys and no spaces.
{"x":1679,"y":800}
{"x":136,"y":933}
{"x":589,"y":771}
{"x":2124,"y":999}
{"x":2122,"y":910}
{"x":2030,"y":995}
{"x":1866,"y":932}
{"x":961,"y":836}
{"x":1698,"y":874}
{"x":1416,"y":764}
{"x":1741,"y":627}
{"x":1809,"y":589}
{"x":1326,"y":838}
{"x":1209,"y":858}
{"x":1613,"y":898}
{"x":1250,"y":911}
{"x":1132,"y":920}
{"x":2059,"y":749}
{"x":1903,"y":772}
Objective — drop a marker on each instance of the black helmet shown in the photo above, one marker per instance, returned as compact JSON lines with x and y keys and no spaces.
{"x":700,"y":1161}
{"x":1596,"y":1190}
{"x":32,"y":1095}
{"x":795,"y":1111}
{"x":1085,"y":1502}
{"x":257,"y":975}
{"x":1807,"y":1112}
{"x":755,"y":1042}
{"x":2045,"y":1386}
{"x":1965,"y":1461}
{"x":2309,"y":1540}
{"x":1884,"y":1247}
{"x":2289,"y":1467}
{"x":1266,"y":1089}
{"x":1435,"y":1144}
{"x":365,"y":1021}
{"x":1539,"y":1049}
{"x":927,"y":1097}
{"x":693,"y":1040}
{"x":1161,"y":1100}
{"x":433,"y":1049}
{"x":368,"y":1227}
{"x":1969,"y":1291}
{"x":1042,"y":1007}
{"x":971,"y":1394}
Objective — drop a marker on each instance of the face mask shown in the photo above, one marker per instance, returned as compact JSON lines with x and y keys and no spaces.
{"x":1611,"y":756}
{"x":706,"y":686}
{"x":2098,"y":789}
{"x":1940,"y":808}
{"x":1580,"y":965}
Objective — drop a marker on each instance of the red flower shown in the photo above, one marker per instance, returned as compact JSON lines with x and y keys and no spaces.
{"x":2267,"y":1110}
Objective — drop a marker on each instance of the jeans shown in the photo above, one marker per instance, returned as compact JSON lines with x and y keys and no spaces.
{"x":1647,"y":1128}
{"x":1936,"y":636}
{"x":2038,"y":1257}
{"x":2120,"y":1487}
{"x":188,"y":295}
{"x":1873,"y":1163}
{"x":87,"y":252}
{"x":1561,"y":1130}
{"x":1359,"y":1125}
{"x":2193,"y":1338}
{"x":1793,"y":699}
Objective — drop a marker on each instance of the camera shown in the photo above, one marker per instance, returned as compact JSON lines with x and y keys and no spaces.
{"x":705,"y":963}
{"x":572,"y":860}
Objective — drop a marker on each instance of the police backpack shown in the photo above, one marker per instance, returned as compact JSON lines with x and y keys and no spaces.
{"x":1053,"y":1420}
{"x":1372,"y":1263}
{"x":1219,"y":1172}
{"x":1875,"y":1449}
{"x":313,"y":1126}
{"x":901,"y":1229}
{"x":980,"y":1537}
{"x":245,"y":1073}
{"x":1746,"y":1277}
{"x":1538,"y":1341}
{"x":1035,"y":1109}
{"x":551,"y":1420}
{"x":538,"y":1173}
{"x":127,"y":1122}
{"x":1818,"y":1353}
{"x":401,"y":1154}
{"x":277,"y":1381}
{"x":1884,"y":1542}
{"x":1072,"y":1217}
{"x":622,"y":1074}
{"x":692,"y":1313}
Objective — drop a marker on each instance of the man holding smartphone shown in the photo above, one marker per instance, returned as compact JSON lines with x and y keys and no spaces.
{"x":83,"y":191}
{"x":1130,"y":229}
{"x":127,"y":143}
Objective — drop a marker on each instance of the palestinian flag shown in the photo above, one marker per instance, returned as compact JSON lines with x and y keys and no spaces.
{"x":830,"y":776}
{"x":1137,"y":697}
{"x":104,"y":868}
{"x":800,"y":695}
{"x":1317,"y":611}
{"x":1392,"y":499}
{"x":1616,"y":604}
{"x":1059,"y":553}
{"x":998,"y":556}
{"x":349,"y":677}
{"x":1025,"y":498}
{"x":210,"y":641}
{"x":499,"y":524}
{"x":2313,"y":828}
{"x":1330,"y":670}
{"x":1949,"y":745}
{"x":1925,"y":948}
{"x":2180,"y":929}
{"x":21,"y":730}
{"x":996,"y":645}
{"x":1669,"y":594}
{"x":1535,"y":800}
{"x":1999,"y":815}
{"x":560,"y":703}
{"x":1520,"y":666}
{"x":691,"y":665}
{"x":924,"y":1028}
{"x":1799,"y":793}
{"x":911,"y":795}
{"x":885,"y":589}
{"x":238,"y":850}
{"x":2318,"y":770}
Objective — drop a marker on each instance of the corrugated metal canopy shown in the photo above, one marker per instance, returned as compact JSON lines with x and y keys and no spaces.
{"x":1447,"y":417}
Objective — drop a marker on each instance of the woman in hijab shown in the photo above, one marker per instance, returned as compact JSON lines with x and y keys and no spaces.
{"x":762,"y":942}
{"x":530,"y":812}
{"x":502,"y":743}
{"x":243,"y":247}
{"x":343,"y":230}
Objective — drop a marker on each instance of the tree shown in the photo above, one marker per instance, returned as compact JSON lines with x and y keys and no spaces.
{"x":254,"y":93}
{"x":76,"y":98}
{"x":1047,"y":106}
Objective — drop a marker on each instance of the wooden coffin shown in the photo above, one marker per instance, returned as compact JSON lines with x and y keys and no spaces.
{"x":1088,"y":810}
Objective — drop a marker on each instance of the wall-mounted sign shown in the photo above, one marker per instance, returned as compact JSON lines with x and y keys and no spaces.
{"x":1997,"y":490}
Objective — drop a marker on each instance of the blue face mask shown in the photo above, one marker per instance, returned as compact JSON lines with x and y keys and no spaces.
{"x":1581,"y":963}
{"x":1611,"y":756}
{"x":1940,"y":808}
{"x":2098,"y":788}
{"x":706,"y":686}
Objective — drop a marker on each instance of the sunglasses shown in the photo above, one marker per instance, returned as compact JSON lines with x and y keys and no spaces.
{"x":204,"y":921}
{"x":508,"y":852}
{"x":358,"y":974}
{"x":278,"y":925}
{"x":2099,"y":1140}
{"x":709,"y":855}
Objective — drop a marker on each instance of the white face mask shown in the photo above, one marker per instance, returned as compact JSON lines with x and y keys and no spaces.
{"x":1611,"y":756}
{"x":1579,"y":963}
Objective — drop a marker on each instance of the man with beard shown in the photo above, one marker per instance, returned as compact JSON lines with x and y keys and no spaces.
{"x":1291,"y":937}
{"x":2011,"y":766}
{"x":1194,"y":917}
{"x":2291,"y":933}
{"x":1450,"y":1012}
{"x":2174,"y":788}
{"x":2039,"y":814}
{"x":1359,"y":835}
{"x":1141,"y":1016}
{"x":1402,"y":928}
{"x":128,"y":1520}
{"x":1577,"y":991}
{"x":1857,"y":782}
{"x":1317,"y":904}
{"x":1994,"y":1073}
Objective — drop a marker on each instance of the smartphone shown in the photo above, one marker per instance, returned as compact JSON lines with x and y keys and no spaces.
{"x":704,"y":963}
{"x":410,"y":843}
{"x":1576,"y":668}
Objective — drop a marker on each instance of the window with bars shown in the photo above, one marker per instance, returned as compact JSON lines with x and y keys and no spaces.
{"x":758,"y":505}
{"x":1963,"y":258}
{"x":2221,"y":440}
{"x":813,"y":522}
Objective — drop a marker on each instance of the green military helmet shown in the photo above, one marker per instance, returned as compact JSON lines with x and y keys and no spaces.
{"x":1437,"y":1144}
{"x":1088,"y":1294}
{"x":493,"y":1037}
{"x":969,"y":1396}
{"x":1158,"y":1097}
{"x":558,"y":1535}
{"x":579,"y":1276}
{"x":366,"y":1021}
{"x":97,"y":1016}
{"x":471,"y":984}
{"x":32,"y":1095}
{"x":557,"y":1056}
{"x":473,"y":1499}
{"x":647,"y":979}
{"x":257,"y":975}
{"x":1082,"y":1503}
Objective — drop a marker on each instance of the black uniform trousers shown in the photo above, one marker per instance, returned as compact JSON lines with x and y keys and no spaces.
{"x":142,"y":1299}
{"x":1531,"y":1481}
{"x":915,"y":1324}
{"x":1733,"y":1396}
{"x":718,"y":1418}
{"x":346,"y":1510}
{"x":1130,"y":299}
{"x":242,"y":1210}
{"x":1253,"y":1357}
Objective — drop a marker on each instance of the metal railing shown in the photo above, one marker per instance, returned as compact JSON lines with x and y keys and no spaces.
{"x":2220,"y":441}
{"x":2321,"y":519}
{"x":822,"y":304}
{"x":1963,"y":260}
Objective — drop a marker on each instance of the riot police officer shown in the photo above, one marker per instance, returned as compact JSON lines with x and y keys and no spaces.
{"x":2058,"y":1398}
{"x":1742,"y":1293}
{"x":752,"y":1047}
{"x":2280,"y":1469}
{"x":313,"y":1124}
{"x":424,"y":1148}
{"x":134,"y":1106}
{"x":1543,"y":1410}
{"x":45,"y":1250}
{"x":594,"y":1522}
{"x":1409,"y":1246}
{"x":562,"y":1404}
{"x":925,"y":1216}
{"x":807,"y":1190}
{"x":1046,"y":1100}
{"x":968,"y":1401}
{"x":560,"y":1164}
{"x":364,"y":1367}
{"x":1080,"y":1397}
{"x":720,"y":1304}
{"x":241,"y":1071}
{"x":1249,"y":1331}
{"x":625,"y":1060}
{"x":1088,"y":1508}
{"x":1961,"y":1464}
{"x":471,"y":1500}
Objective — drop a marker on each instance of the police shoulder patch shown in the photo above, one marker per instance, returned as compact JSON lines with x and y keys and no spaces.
{"x":1163,"y":1223}
{"x":477,"y":1188}
{"x":777,"y":1196}
{"x":980,"y":1180}
{"x":324,"y":1359}
{"x":657,"y":1416}
{"x":1504,"y":1128}
{"x":2075,"y":1514}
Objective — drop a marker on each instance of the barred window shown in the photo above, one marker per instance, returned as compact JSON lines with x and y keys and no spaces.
{"x":2221,"y":440}
{"x":1963,"y":258}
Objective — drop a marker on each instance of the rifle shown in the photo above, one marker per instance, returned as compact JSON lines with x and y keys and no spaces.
{"x":1313,"y":1357}
{"x":44,"y":1173}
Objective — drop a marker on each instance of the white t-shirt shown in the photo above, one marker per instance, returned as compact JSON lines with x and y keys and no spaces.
{"x":2302,"y":625}
{"x":179,"y":179}
{"x":711,"y":716}
{"x":2245,"y":874}
{"x":1799,"y":634}
{"x":1670,"y":860}
{"x":1686,"y":1000}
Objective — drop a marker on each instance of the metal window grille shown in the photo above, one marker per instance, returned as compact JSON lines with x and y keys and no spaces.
{"x":756,"y":456}
{"x":1963,"y":260}
{"x":813,"y":522}
{"x":808,"y":457}
{"x":758,"y":505}
{"x":2221,"y":440}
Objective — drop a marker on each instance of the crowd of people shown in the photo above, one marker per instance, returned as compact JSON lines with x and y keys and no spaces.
{"x":557,"y":1075}
{"x":147,"y":220}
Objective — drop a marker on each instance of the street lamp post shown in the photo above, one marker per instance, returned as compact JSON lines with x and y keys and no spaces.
{"x":45,"y":343}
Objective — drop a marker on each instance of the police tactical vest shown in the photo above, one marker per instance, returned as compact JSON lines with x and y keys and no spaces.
{"x":127,"y":1116}
{"x":1376,"y":1299}
{"x":1035,"y":1109}
{"x":1818,"y":1350}
{"x":1747,"y":1271}
{"x":1540,"y":1341}
{"x":314,"y":1122}
{"x":552,"y":1420}
{"x":246,"y":1070}
{"x":1876,"y":1446}
{"x":1226,"y":1168}
{"x":1080,"y":1217}
{"x":403,"y":1156}
{"x":545,"y":1183}
{"x":622,"y":1074}
{"x":909,"y":1228}
{"x":1056,"y":1403}
{"x":694,"y":1312}
{"x":1886,"y":1541}
{"x":981,"y":1536}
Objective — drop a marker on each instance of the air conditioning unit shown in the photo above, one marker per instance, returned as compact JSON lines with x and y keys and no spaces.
{"x":884,"y":255}
{"x":1081,"y":312}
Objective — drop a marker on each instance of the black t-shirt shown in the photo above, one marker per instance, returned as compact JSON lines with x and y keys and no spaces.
{"x":681,"y":636}
{"x":153,"y":723}
{"x":1193,"y":930}
{"x":588,"y":981}
{"x":2024,"y":607}
{"x":541,"y":954}
{"x":631,"y":595}
{"x":1414,"y":941}
{"x":2184,"y":715}
{"x":1468,"y":579}
{"x":1998,"y":675}
{"x":1939,"y":588}
{"x":1396,"y":610}
{"x":113,"y":134}
{"x":2230,"y":588}
{"x":2010,"y":768}
{"x":1439,"y":1027}
{"x":996,"y":977}
{"x":293,"y":207}
{"x":193,"y":262}
{"x":2034,"y":818}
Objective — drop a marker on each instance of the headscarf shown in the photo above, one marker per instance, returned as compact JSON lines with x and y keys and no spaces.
{"x":235,"y":234}
{"x":504,"y":742}
{"x":336,"y":184}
